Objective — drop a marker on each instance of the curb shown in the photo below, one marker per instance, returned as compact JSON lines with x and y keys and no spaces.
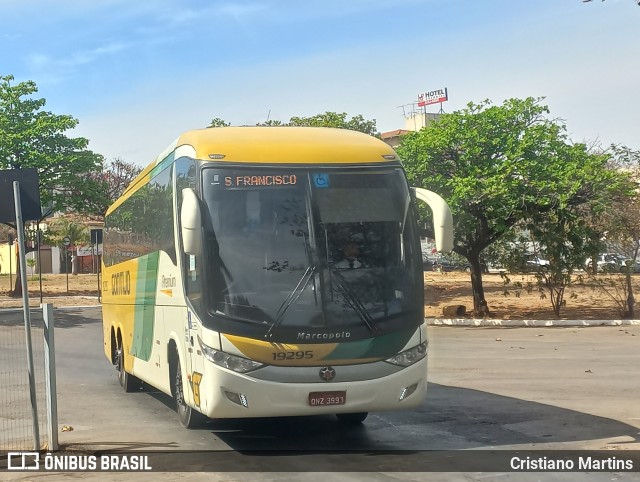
{"x":480,"y":322}
{"x":57,"y":308}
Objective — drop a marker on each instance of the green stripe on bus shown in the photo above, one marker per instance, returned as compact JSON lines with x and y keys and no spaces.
{"x":381,"y":347}
{"x":143,"y":317}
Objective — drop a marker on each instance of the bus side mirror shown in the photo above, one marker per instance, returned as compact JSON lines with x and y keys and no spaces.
{"x":442,"y":218}
{"x":191,"y":222}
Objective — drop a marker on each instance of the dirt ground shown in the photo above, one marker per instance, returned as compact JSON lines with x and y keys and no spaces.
{"x":520,"y":297}
{"x":505,"y":301}
{"x":83,"y":290}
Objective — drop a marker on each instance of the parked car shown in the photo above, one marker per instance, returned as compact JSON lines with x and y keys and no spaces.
{"x":535,"y":263}
{"x":608,"y":263}
{"x":443,"y":263}
{"x":428,"y":261}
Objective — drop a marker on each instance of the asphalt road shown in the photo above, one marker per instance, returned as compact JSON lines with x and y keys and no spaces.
{"x":489,"y":389}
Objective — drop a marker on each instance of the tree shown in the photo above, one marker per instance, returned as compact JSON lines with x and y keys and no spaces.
{"x":623,"y":219}
{"x":33,"y":138}
{"x":68,"y":227}
{"x":620,"y":229}
{"x":217,"y":122}
{"x":339,"y":121}
{"x":328,"y":119}
{"x":102,"y":187}
{"x":498,"y":166}
{"x":31,"y":262}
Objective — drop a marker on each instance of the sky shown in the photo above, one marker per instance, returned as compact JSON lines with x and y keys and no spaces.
{"x":136,"y":74}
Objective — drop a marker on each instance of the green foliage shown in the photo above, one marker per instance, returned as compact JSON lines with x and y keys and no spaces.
{"x":217,"y":122}
{"x":33,"y":138}
{"x":104,"y":185}
{"x":328,"y":119}
{"x":63,"y":227}
{"x":31,"y":263}
{"x":570,"y":231}
{"x":618,"y":288}
{"x":621,"y":222}
{"x":501,"y":166}
{"x":336,"y":120}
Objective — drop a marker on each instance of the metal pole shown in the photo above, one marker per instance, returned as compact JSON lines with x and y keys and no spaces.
{"x":97,"y":258}
{"x":66,"y":266}
{"x":50,"y":374}
{"x":99,"y":276}
{"x":27,"y":314}
{"x":11,"y":255}
{"x":39,"y":260}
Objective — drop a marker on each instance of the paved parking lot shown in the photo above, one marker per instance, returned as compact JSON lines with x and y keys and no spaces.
{"x":489,"y":389}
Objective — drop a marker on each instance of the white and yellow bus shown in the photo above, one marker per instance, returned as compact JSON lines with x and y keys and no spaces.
{"x":223,"y":285}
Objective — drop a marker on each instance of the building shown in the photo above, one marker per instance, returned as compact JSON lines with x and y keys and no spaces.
{"x":412,"y":123}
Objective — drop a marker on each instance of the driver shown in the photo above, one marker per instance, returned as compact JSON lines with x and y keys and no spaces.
{"x":351,"y":257}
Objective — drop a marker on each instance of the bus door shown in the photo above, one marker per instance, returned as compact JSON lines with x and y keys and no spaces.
{"x":194,"y":362}
{"x":193,"y":275}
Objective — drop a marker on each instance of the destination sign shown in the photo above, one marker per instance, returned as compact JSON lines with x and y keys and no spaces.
{"x":261,"y":180}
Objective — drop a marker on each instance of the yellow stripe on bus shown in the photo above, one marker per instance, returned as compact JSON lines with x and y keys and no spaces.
{"x":284,"y":354}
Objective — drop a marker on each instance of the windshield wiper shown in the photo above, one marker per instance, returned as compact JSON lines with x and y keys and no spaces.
{"x":353,"y":300}
{"x":292,"y":297}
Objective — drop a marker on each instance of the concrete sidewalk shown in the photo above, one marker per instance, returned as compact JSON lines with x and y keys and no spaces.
{"x":469,"y":322}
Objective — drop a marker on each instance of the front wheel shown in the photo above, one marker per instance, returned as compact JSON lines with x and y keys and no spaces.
{"x":352,"y":418}
{"x":188,"y":417}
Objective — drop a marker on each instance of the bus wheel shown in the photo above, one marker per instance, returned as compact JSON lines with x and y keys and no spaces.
{"x":352,"y":418}
{"x":127,"y":381}
{"x":188,"y":417}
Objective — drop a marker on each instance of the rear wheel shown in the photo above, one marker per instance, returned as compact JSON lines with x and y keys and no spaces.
{"x":188,"y":417}
{"x":352,"y":418}
{"x":128,"y":382}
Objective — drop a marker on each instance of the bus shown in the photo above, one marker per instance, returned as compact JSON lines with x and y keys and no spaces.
{"x":222,"y":283}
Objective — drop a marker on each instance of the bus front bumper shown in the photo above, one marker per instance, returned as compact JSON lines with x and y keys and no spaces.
{"x":226,"y":394}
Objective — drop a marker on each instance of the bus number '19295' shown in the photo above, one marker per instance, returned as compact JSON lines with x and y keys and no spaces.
{"x":292,"y":355}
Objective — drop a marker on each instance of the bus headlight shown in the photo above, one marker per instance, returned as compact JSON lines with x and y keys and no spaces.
{"x":410,"y":356}
{"x":232,"y":362}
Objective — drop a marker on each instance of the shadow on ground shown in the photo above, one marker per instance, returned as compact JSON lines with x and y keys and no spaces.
{"x":451,"y":418}
{"x":456,"y":429}
{"x":63,"y":318}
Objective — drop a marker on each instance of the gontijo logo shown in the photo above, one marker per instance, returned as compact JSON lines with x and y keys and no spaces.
{"x":121,"y":283}
{"x":21,"y":461}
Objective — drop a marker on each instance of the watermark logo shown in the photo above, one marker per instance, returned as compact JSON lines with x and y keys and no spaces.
{"x":35,"y":461}
{"x":23,"y":461}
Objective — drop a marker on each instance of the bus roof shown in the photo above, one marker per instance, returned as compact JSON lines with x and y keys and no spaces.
{"x":277,"y":145}
{"x":286,"y":145}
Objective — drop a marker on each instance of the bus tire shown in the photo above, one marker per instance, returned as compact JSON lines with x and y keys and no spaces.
{"x":352,"y":418}
{"x":128,"y":382}
{"x":189,"y":417}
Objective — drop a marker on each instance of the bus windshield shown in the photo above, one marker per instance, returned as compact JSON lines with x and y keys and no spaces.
{"x":310,"y":250}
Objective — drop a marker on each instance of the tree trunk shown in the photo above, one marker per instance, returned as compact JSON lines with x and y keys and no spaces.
{"x":594,"y":264}
{"x":480,"y":307}
{"x":630,"y":299}
{"x":557,"y":296}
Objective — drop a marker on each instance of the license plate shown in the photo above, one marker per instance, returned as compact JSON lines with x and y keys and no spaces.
{"x":317,"y":399}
